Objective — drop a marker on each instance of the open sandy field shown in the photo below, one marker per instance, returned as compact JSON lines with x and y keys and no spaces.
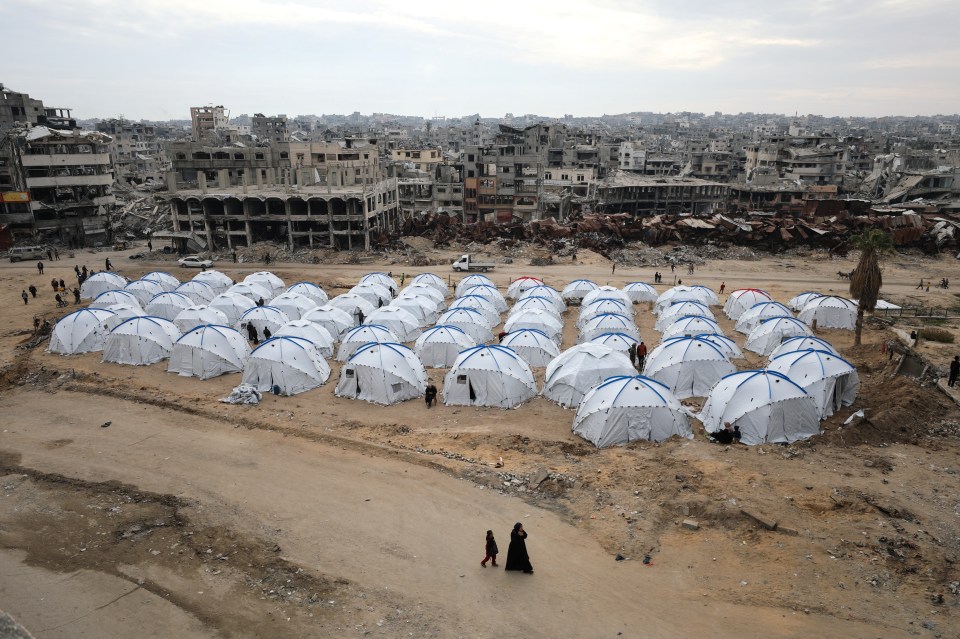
{"x":134,"y":503}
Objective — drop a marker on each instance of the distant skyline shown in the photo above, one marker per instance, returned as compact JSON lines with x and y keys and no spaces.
{"x":154,"y":59}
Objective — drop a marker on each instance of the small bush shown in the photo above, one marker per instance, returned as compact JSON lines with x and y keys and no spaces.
{"x":937,"y":335}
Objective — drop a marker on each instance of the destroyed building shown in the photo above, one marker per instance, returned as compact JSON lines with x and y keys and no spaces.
{"x":642,"y":195}
{"x":207,"y":121}
{"x":136,"y":151}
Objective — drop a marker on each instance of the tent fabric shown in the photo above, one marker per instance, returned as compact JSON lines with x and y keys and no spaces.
{"x":404,"y":325}
{"x":802,"y":343}
{"x":216,"y":280}
{"x":640,"y":292}
{"x":472,"y":280}
{"x":705,"y":293}
{"x":688,"y":365}
{"x":197,"y":291}
{"x":164,"y":279}
{"x":767,"y":406}
{"x":424,"y":290}
{"x":381,"y":279}
{"x":198,"y":315}
{"x":100,"y":283}
{"x":144,"y":290}
{"x":439,"y":346}
{"x":364,"y":334}
{"x":600,"y":307}
{"x":255,"y":291}
{"x":608,"y":323}
{"x":535,"y":302}
{"x":353,"y":305}
{"x":168,"y":305}
{"x":422,"y":308}
{"x":797,"y":302}
{"x":572,"y":373}
{"x":490,"y":292}
{"x":831,"y":380}
{"x":82,"y":331}
{"x":382,"y":373}
{"x":519,"y":285}
{"x":575,"y":290}
{"x":310,"y":291}
{"x":768,"y":335}
{"x":617,"y":341}
{"x":267,"y":280}
{"x":724,"y":343}
{"x":605,"y":291}
{"x":294,"y":305}
{"x":336,"y":321}
{"x":544,"y":321}
{"x":481,"y":304}
{"x":141,"y":341}
{"x":374,"y":293}
{"x":700,"y":294}
{"x":830,"y":311}
{"x":691,"y":325}
{"x":431,"y":280}
{"x":741,"y":299}
{"x":305,"y":329}
{"x":675,"y":311}
{"x":533,"y":346}
{"x":757,"y":313}
{"x":121,"y":313}
{"x":291,"y":363}
{"x":629,"y":408}
{"x":548,"y":292}
{"x":263,"y":317}
{"x":465,"y":316}
{"x":209,"y":351}
{"x":233,"y":305}
{"x":492,"y":375}
{"x":109,"y":298}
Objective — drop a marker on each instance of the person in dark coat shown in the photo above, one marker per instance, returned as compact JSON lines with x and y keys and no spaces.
{"x":954,"y":370}
{"x":108,"y":266}
{"x":430,"y":396}
{"x":641,"y":355}
{"x":266,"y":333}
{"x":517,"y":557}
{"x":40,"y":268}
{"x":632,"y":352}
{"x":252,"y":333}
{"x":491,"y":551}
{"x":33,"y":290}
{"x":24,"y":297}
{"x":76,"y":296}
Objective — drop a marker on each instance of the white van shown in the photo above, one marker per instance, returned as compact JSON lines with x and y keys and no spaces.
{"x":20,"y":253}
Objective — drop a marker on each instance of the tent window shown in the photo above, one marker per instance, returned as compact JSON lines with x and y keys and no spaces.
{"x":349,"y":372}
{"x":461,"y":379}
{"x":396,"y":388}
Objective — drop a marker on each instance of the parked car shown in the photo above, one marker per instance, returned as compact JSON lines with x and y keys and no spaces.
{"x":23,"y":253}
{"x":194,"y":261}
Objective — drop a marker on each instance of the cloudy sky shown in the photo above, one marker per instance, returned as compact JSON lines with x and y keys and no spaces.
{"x":156,"y":58}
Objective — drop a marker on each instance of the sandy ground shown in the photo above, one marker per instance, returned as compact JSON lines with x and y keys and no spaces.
{"x":319,"y":516}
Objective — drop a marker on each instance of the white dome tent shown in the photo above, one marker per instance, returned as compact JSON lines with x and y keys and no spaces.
{"x":144,"y":290}
{"x":353,"y":305}
{"x":482,"y":305}
{"x":209,"y":351}
{"x":575,"y":290}
{"x":580,"y":368}
{"x":197,"y":291}
{"x":691,"y":325}
{"x":799,"y":301}
{"x":802,"y":343}
{"x":602,"y":307}
{"x":374,"y":293}
{"x":421,"y":307}
{"x":432,"y":280}
{"x":830,"y":311}
{"x":364,"y":334}
{"x":294,"y":305}
{"x":310,"y":291}
{"x":265,"y":279}
{"x":672,"y":313}
{"x":766,"y":337}
{"x":768,"y":407}
{"x":630,"y":408}
{"x":291,"y":363}
{"x":336,"y":321}
{"x":109,"y":298}
{"x":700,"y":294}
{"x":198,"y":315}
{"x":544,"y":321}
{"x":741,"y":299}
{"x":473,"y":280}
{"x":470,"y":321}
{"x":608,"y":323}
{"x":535,"y":302}
{"x":382,"y":373}
{"x":233,"y":305}
{"x":164,"y":279}
{"x":168,"y":305}
{"x":82,"y":331}
{"x":424,"y":290}
{"x":604,"y":292}
{"x":534,"y":346}
{"x":314,"y":333}
{"x":521,"y":284}
{"x":616,"y":341}
{"x":121,"y":313}
{"x":381,"y":279}
{"x":688,"y":365}
{"x":254,"y":291}
{"x":490,"y":292}
{"x":488,"y":376}
{"x":545,"y":291}
{"x":216,"y":280}
{"x":724,"y":343}
{"x":140,"y":341}
{"x":760,"y":311}
{"x":640,"y":292}
{"x":831,"y":380}
{"x":404,"y":325}
{"x":263,"y":317}
{"x":101,"y":283}
{"x":705,"y":293}
{"x":439,"y":346}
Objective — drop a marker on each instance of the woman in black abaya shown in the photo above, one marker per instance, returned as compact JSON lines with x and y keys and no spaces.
{"x":517,"y":558}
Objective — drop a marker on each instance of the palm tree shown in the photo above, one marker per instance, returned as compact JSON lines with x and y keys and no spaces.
{"x":866,"y":280}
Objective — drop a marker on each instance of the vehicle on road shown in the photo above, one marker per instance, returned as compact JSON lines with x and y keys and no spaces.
{"x":465,"y":263}
{"x":194,"y":261}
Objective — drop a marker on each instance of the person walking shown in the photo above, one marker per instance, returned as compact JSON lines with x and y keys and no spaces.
{"x":954,"y":370}
{"x":54,"y":284}
{"x":150,"y":246}
{"x":632,"y":352}
{"x":641,"y":355}
{"x":490,"y":548}
{"x":614,"y":269}
{"x":24,"y":297}
{"x":40,"y":267}
{"x":107,"y":265}
{"x":430,"y":396}
{"x":76,"y":295}
{"x":76,"y":269}
{"x":60,"y":301}
{"x":56,"y":254}
{"x":252,"y":333}
{"x":33,"y":290}
{"x":919,"y":286}
{"x":62,"y":285}
{"x":723,"y":285}
{"x":50,"y":254}
{"x":517,"y":557}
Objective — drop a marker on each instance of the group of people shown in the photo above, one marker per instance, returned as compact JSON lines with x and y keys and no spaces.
{"x":729,"y":435}
{"x":254,"y":336}
{"x":517,"y":557}
{"x":638,"y":355}
{"x":943,"y":283}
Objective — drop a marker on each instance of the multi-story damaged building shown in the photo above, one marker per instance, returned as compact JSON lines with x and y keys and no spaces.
{"x":136,"y":152}
{"x":642,"y":195}
{"x":207,"y":121}
{"x":270,"y":129}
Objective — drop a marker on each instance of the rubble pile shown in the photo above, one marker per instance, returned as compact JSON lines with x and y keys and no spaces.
{"x":137,"y":213}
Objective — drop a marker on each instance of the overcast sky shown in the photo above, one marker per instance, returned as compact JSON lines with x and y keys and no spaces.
{"x":155,"y":59}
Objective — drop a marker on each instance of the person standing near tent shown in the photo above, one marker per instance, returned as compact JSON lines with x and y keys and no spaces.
{"x":40,"y":267}
{"x":107,"y":266}
{"x":632,"y":352}
{"x":430,"y":396}
{"x":723,"y":285}
{"x":517,"y":557}
{"x":724,"y":436}
{"x":491,"y":551}
{"x":266,"y":333}
{"x":954,"y":370}
{"x":55,"y":284}
{"x":403,"y":277}
{"x":614,"y":269}
{"x":24,"y":297}
{"x":76,"y":295}
{"x":641,"y":355}
{"x":252,"y":333}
